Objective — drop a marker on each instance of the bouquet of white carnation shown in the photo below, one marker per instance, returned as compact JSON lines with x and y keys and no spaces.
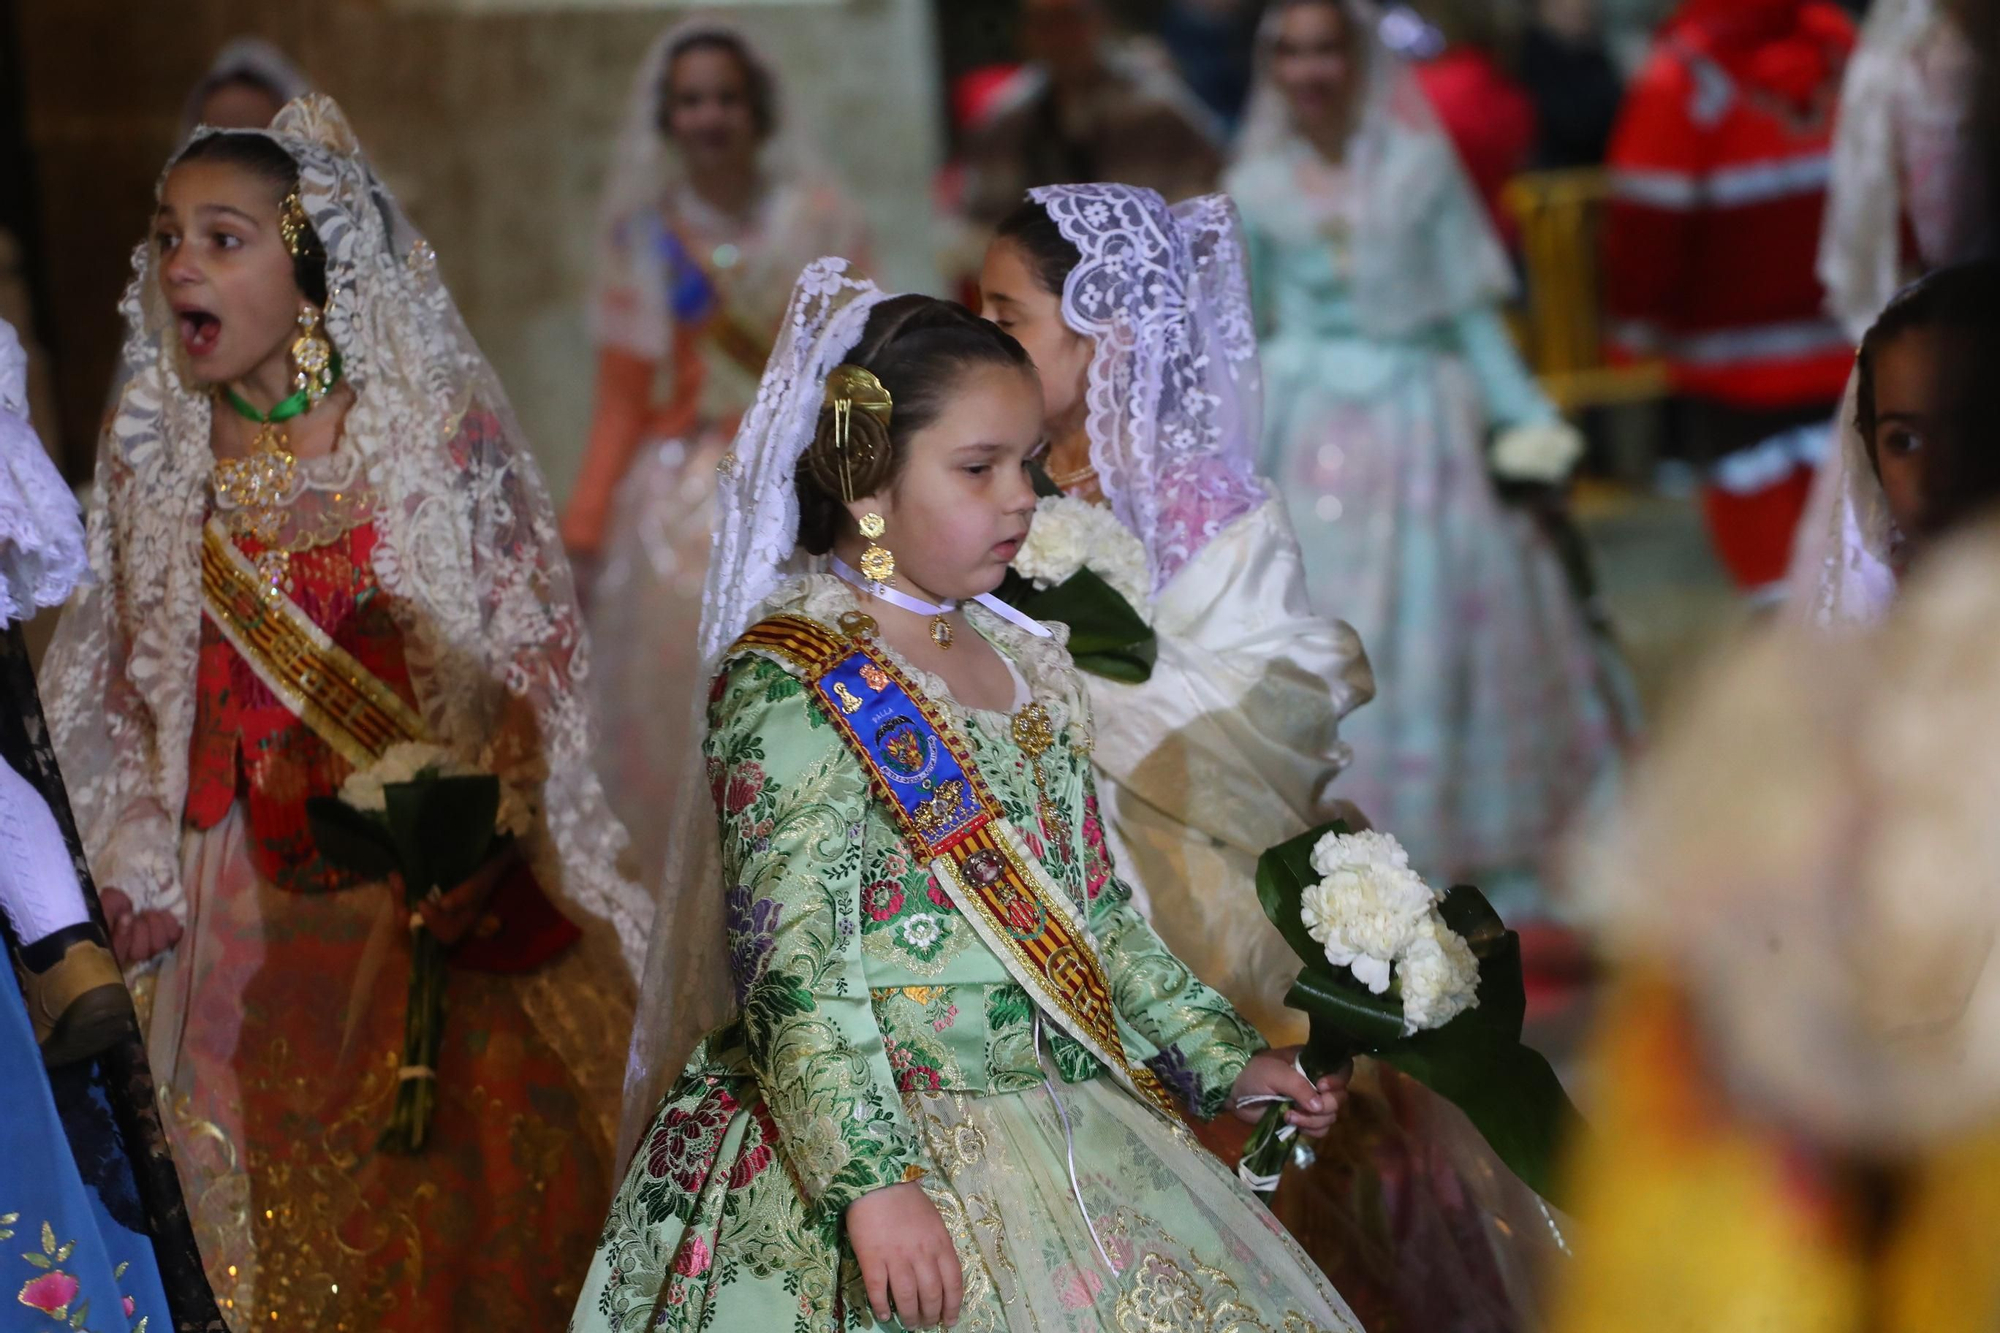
{"x":1538,"y":453}
{"x":1427,"y":982}
{"x":1069,"y":535}
{"x":1379,"y":920}
{"x":1084,"y":568}
{"x":366,"y":789}
{"x":421,"y":813}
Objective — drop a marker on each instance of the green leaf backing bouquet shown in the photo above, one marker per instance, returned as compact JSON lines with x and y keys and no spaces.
{"x":417,"y":813}
{"x":1425,"y":982}
{"x":1084,"y":568}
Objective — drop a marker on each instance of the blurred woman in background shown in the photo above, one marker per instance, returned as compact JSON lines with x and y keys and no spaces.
{"x":710,"y":211}
{"x":246,"y":84}
{"x":1387,"y":369}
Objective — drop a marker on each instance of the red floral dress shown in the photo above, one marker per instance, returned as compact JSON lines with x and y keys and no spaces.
{"x":248,"y":745}
{"x":285,"y":1005}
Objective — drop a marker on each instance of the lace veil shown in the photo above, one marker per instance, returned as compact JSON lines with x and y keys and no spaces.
{"x":1424,"y":250}
{"x":687,"y":988}
{"x":1841,"y":575}
{"x":1174,"y":399}
{"x":467,"y":548}
{"x":1901,"y":126}
{"x":629,"y":304}
{"x":41,"y":534}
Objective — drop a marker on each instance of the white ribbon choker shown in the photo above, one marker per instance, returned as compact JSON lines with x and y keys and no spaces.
{"x":918,"y":606}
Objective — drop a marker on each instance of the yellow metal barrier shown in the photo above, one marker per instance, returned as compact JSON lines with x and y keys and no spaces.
{"x":1561,"y":214}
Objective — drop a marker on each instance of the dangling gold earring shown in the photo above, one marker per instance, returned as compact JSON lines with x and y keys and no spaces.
{"x":878,"y":565}
{"x":312,"y":358}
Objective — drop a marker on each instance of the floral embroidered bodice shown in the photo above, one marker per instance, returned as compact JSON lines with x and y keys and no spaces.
{"x":856,"y":976}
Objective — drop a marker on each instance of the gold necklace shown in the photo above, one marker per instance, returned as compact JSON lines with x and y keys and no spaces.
{"x":253,"y":491}
{"x":1071,"y":480}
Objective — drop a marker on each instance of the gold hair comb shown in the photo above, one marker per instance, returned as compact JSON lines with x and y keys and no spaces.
{"x":848,"y":387}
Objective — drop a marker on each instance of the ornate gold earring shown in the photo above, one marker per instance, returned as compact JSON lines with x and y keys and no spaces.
{"x":312,"y":359}
{"x":878,"y":565}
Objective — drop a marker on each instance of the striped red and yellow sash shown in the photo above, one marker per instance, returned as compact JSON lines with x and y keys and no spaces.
{"x":340,"y":700}
{"x":921,"y":769}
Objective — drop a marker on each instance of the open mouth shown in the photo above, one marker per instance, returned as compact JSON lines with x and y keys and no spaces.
{"x":1010,"y":548}
{"x":200,"y":331}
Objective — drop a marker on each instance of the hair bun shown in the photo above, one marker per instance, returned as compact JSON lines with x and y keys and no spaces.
{"x":903,"y":370}
{"x":867,"y":462}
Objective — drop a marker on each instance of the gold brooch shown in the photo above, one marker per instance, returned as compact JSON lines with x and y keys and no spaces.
{"x":935,"y":815}
{"x":1034,"y":730}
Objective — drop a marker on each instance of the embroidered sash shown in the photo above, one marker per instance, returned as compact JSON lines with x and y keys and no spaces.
{"x":735,"y":340}
{"x":340,"y":700}
{"x":695,"y":296}
{"x":922,"y":771}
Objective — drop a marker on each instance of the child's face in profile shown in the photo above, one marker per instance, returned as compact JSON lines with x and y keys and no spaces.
{"x":1012,"y":296}
{"x":1906,"y":440}
{"x":959,"y":509}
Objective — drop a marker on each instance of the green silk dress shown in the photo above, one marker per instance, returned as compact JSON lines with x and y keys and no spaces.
{"x":880,"y":1040}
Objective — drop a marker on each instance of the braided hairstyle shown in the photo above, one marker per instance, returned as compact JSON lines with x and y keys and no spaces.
{"x":918,"y":347}
{"x":261,"y":156}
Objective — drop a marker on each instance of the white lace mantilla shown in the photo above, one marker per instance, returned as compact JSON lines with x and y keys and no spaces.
{"x":1174,"y":397}
{"x":686,"y":988}
{"x":467,"y":550}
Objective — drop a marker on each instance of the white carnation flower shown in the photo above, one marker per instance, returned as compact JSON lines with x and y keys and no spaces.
{"x":363,"y":791}
{"x":1338,"y":850}
{"x":1057,"y":542}
{"x":401,"y":762}
{"x":1069,"y":534}
{"x":1361,"y":927}
{"x":1378,"y":919}
{"x":1439,"y":976}
{"x":1369,"y":906}
{"x":1542,"y":451}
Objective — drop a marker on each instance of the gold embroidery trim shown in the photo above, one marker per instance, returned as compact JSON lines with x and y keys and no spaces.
{"x":340,"y":700}
{"x":1057,"y":963}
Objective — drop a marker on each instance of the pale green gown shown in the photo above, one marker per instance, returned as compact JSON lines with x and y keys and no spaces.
{"x":882,"y":1041}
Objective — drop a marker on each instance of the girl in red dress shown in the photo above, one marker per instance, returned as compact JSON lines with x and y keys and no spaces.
{"x":319,"y":535}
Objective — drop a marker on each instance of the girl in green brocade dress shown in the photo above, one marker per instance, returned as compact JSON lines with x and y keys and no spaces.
{"x":917,"y":1115}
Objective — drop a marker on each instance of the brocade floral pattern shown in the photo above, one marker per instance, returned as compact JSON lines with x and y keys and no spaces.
{"x":852,"y":1029}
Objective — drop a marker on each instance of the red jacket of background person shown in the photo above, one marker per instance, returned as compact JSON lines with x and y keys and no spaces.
{"x":1720,"y":166}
